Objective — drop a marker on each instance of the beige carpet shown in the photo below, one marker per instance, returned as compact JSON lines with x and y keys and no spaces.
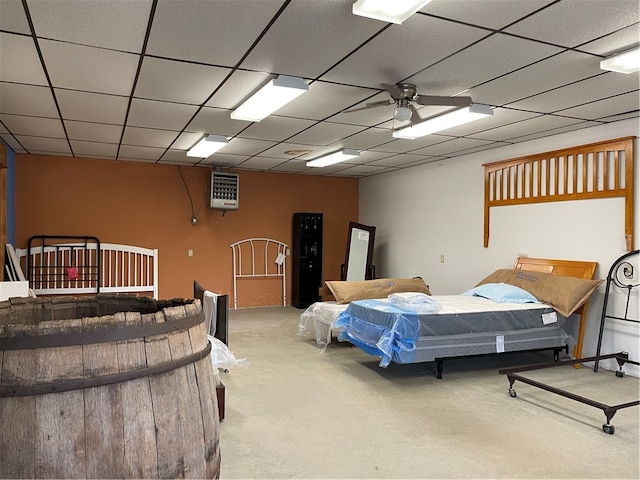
{"x":294,"y":412}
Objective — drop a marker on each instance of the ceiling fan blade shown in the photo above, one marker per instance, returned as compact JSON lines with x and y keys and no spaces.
{"x":446,"y":101}
{"x":381,"y":103}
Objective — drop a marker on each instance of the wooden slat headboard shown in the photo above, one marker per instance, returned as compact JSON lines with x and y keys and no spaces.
{"x":596,"y":170}
{"x":567,"y":268}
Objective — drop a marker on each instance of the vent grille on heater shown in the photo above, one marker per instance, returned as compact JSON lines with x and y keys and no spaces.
{"x":224,"y":191}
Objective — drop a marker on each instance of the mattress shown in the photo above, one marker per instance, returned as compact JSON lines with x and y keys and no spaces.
{"x":464,"y":325}
{"x":317,"y":321}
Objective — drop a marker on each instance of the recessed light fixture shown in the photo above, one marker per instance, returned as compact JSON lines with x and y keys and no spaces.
{"x":625,"y":62}
{"x":271,"y":97}
{"x":393,"y":11}
{"x":207,"y":146}
{"x":468,"y":114}
{"x":335,"y":157}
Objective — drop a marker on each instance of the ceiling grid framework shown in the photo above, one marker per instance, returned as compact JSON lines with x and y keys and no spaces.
{"x":144,"y":80}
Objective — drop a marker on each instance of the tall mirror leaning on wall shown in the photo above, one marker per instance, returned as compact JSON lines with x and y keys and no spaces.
{"x":358,"y":263}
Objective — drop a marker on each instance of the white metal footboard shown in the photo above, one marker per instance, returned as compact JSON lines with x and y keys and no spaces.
{"x":90,"y":267}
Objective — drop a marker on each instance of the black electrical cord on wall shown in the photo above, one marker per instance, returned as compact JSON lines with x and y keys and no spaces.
{"x":194,"y":215}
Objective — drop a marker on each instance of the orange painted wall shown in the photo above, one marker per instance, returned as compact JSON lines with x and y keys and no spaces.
{"x":147,"y":205}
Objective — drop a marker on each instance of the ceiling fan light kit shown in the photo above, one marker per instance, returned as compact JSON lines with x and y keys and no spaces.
{"x":392,"y":11}
{"x":625,"y":62}
{"x":271,"y":97}
{"x":335,"y":157}
{"x":461,"y":116}
{"x":207,"y":146}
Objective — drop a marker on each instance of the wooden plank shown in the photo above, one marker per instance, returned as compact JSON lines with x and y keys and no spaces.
{"x":140,"y":453}
{"x":189,"y":418}
{"x":59,"y":430}
{"x":104,"y":423}
{"x":18,"y":416}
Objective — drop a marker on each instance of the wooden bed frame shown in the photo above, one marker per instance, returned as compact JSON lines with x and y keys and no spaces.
{"x":567,"y":268}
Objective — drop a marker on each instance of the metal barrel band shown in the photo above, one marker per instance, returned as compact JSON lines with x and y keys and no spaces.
{"x":81,"y":383}
{"x":28,"y":342}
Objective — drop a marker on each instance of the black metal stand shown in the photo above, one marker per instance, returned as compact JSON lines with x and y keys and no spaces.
{"x":621,"y":275}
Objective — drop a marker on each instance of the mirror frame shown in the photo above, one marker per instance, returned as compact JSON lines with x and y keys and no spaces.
{"x":369,"y":268}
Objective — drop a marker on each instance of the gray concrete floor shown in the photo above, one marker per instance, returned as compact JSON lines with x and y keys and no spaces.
{"x":294,"y":412}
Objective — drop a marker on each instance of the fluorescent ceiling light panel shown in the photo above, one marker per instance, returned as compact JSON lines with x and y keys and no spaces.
{"x":272,"y":96}
{"x":393,"y":11}
{"x":625,"y":62}
{"x":335,"y":157}
{"x":207,"y":146}
{"x":468,"y":114}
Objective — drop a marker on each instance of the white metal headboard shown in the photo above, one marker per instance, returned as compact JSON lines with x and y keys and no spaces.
{"x":274,"y":266}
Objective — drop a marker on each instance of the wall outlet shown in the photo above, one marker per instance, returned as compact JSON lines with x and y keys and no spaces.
{"x":441,"y":258}
{"x":190,"y":252}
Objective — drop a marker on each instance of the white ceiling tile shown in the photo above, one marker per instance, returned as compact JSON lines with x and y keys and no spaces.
{"x":585,"y":91}
{"x":178,"y":81}
{"x":19,"y":61}
{"x":615,"y":42}
{"x":216,"y":121}
{"x":178,"y":157}
{"x":90,"y":22}
{"x":130,"y":152}
{"x":217,"y":34}
{"x":400,"y":145}
{"x":512,"y":131}
{"x":246,"y":146}
{"x":221,"y":159}
{"x":92,"y":107}
{"x":295,"y":149}
{"x":361,"y":170}
{"x":480,"y":63}
{"x":324,"y":100}
{"x":43,"y":127}
{"x":27,"y":100}
{"x":589,"y":19}
{"x":12,"y":143}
{"x":555,"y":131}
{"x":499,"y":15}
{"x":13,"y":18}
{"x":93,"y":132}
{"x":43,"y":144}
{"x":553,"y":72}
{"x":384,"y":60}
{"x":276,"y":127}
{"x":261,"y":163}
{"x":163,"y":115}
{"x":451,"y":146}
{"x":148,"y":137}
{"x":330,"y":32}
{"x":88,"y":68}
{"x":605,"y":107}
{"x":325,"y":133}
{"x":186,"y":140}
{"x":292,"y":166}
{"x":94,"y":149}
{"x":401,"y":160}
{"x":370,"y":138}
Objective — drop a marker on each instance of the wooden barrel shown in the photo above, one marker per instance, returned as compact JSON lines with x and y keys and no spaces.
{"x":106,"y":386}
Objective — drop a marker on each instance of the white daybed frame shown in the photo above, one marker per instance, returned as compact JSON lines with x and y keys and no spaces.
{"x":274,"y":267}
{"x":123,"y":268}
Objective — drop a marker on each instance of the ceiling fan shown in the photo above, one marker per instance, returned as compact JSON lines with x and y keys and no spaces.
{"x":404,"y":95}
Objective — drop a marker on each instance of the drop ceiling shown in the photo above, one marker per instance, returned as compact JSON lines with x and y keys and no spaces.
{"x":144,"y":80}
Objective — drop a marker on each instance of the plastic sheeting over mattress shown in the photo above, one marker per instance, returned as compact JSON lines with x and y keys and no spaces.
{"x":463,"y":326}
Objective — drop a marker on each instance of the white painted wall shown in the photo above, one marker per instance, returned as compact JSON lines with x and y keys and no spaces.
{"x":424,"y":212}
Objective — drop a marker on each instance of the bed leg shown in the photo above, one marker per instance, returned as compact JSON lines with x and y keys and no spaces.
{"x":512,"y":380}
{"x":439,"y":368}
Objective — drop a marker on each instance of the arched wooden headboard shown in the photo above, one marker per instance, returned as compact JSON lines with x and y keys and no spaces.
{"x":596,"y":170}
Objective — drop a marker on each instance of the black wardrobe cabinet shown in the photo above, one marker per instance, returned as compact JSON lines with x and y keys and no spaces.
{"x":307,"y":259}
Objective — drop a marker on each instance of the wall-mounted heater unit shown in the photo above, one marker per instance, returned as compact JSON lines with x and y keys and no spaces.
{"x":224,"y":191}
